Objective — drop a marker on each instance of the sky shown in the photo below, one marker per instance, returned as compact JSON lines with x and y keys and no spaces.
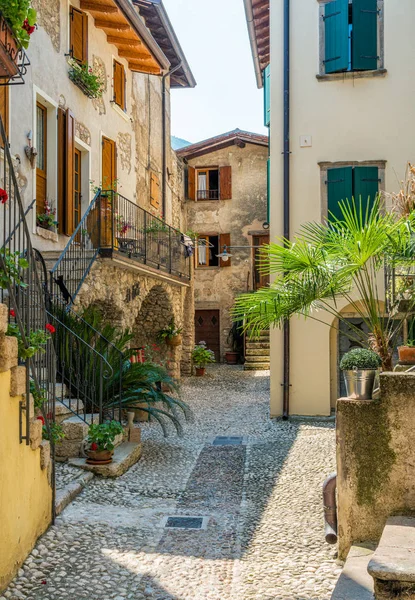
{"x":214,"y":38}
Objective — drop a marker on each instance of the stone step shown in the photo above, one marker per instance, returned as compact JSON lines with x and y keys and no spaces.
{"x":393,"y":564}
{"x":265,"y":366}
{"x":257,"y":345}
{"x":126,"y":455}
{"x":66,"y":408}
{"x":251,"y":352}
{"x":257,"y":358}
{"x":75,"y":430}
{"x":355,"y":583}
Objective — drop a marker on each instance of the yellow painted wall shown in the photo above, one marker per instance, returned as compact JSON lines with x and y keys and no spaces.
{"x":25,"y":494}
{"x":349,"y":120}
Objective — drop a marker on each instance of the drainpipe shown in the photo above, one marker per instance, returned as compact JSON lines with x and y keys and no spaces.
{"x":330,"y":509}
{"x":286,"y":152}
{"x":163,"y":133}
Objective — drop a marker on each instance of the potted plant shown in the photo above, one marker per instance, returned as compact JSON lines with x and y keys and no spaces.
{"x":101,"y":438}
{"x":236,"y":342}
{"x":202,"y":356}
{"x":407,"y":353}
{"x":47,"y":219}
{"x":171,"y":335}
{"x":360,"y":367}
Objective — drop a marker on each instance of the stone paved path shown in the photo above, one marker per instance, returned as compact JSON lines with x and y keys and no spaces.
{"x":264,"y":538}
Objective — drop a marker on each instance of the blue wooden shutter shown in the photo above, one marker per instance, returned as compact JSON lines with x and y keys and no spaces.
{"x":365,"y":186}
{"x":267,"y":96}
{"x":365,"y":35}
{"x":339,"y":187}
{"x":336,"y":19}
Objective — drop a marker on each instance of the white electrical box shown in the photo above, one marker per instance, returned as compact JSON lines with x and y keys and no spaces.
{"x":306,"y":141}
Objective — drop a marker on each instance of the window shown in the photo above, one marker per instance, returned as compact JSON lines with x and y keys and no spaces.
{"x":345,"y":183}
{"x":119,"y":85}
{"x":267,"y":96}
{"x":79,"y":35}
{"x":154,"y":191}
{"x":351,"y":36}
{"x":42,"y":155}
{"x":209,"y":183}
{"x":208,"y":247}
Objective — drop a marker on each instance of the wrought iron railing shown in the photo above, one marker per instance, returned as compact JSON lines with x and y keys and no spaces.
{"x":13,"y":58}
{"x":208,"y":194}
{"x":114,"y":224}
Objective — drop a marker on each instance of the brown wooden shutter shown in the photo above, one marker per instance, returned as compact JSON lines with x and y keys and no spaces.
{"x":109,"y":164}
{"x":70,"y":172}
{"x":225,"y":240}
{"x":119,"y":84}
{"x":4,"y":108}
{"x":225,"y":183}
{"x":79,"y":35}
{"x":191,"y":183}
{"x":154,"y":191}
{"x":61,"y":170}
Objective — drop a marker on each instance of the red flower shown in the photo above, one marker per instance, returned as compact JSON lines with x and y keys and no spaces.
{"x":29,"y":28}
{"x":49,"y":416}
{"x":50,"y":328}
{"x":12,"y":313}
{"x":94,"y":446}
{"x":3,"y":196}
{"x":41,"y":419}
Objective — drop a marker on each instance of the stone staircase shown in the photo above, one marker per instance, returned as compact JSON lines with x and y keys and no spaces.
{"x":385,"y":573}
{"x":257,"y":352}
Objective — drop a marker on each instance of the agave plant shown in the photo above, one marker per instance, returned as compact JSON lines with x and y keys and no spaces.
{"x":124,"y":384}
{"x":339,"y":260}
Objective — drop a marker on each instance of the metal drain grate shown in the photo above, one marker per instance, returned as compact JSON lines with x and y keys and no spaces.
{"x":227,"y":441}
{"x":185,"y":522}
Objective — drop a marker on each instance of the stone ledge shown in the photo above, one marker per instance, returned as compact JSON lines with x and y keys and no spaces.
{"x":350,"y":75}
{"x":18,"y":381}
{"x":4,"y":318}
{"x":125,"y":456}
{"x":8,"y":353}
{"x":70,"y":491}
{"x":394,"y":560}
{"x":47,"y":234}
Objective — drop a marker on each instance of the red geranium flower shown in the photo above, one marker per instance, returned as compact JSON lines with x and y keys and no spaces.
{"x":12,"y":313}
{"x":94,"y":446}
{"x":29,"y":28}
{"x":3,"y":196}
{"x":50,"y":328}
{"x":41,"y":419}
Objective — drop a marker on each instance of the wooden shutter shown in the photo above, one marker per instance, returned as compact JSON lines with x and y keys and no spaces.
{"x":61,"y":170}
{"x":366,"y":187}
{"x":119,"y":84}
{"x":365,"y":35}
{"x":79,"y":35}
{"x":4,"y":108}
{"x":191,"y":183}
{"x":336,"y":19}
{"x":267,"y":96}
{"x":269,"y":190}
{"x":109,"y":164}
{"x":42,"y":157}
{"x":339,"y":187}
{"x":154,"y":191}
{"x":225,"y":183}
{"x":70,"y":172}
{"x":225,"y":240}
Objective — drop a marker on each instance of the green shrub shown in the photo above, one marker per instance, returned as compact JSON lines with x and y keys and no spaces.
{"x":360,"y":358}
{"x":101,"y":436}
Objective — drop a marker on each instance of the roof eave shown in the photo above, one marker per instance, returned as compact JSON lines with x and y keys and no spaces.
{"x":253,"y":41}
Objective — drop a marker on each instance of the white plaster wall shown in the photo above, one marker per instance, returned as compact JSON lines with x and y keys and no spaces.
{"x":350,"y":120}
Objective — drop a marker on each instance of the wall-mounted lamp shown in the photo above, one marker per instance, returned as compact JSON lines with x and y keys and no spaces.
{"x":265,"y":225}
{"x":31,"y":152}
{"x":225,"y":255}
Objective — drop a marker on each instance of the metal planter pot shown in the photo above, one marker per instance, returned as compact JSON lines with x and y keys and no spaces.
{"x":360,"y":383}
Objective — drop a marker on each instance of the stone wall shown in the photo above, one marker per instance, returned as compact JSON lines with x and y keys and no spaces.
{"x":142,"y":303}
{"x":375,"y":460}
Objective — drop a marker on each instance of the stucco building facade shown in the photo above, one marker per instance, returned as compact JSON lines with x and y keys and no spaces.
{"x":226,"y":205}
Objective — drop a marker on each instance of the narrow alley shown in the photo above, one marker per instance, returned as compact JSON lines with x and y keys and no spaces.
{"x":251,"y":484}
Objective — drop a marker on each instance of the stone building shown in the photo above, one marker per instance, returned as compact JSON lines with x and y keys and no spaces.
{"x":226,"y":210}
{"x":67,"y":144}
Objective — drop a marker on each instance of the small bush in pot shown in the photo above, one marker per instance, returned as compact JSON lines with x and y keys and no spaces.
{"x":407,"y":353}
{"x":202,"y":356}
{"x":171,"y":334}
{"x":360,"y":367}
{"x":101,"y":438}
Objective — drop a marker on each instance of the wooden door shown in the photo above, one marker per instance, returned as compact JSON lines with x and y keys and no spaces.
{"x":109,"y":164}
{"x":77,"y":187}
{"x":42,"y":155}
{"x":207,"y":330}
{"x":260,"y":280}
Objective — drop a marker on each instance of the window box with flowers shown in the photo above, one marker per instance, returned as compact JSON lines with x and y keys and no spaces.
{"x":83,"y":76}
{"x":17,"y":23}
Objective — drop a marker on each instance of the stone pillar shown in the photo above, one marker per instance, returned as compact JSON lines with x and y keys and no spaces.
{"x":375,"y":460}
{"x":188,"y":327}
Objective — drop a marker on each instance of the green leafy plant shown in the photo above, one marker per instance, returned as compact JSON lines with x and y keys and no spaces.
{"x":84,"y":77}
{"x":12,"y":273}
{"x":36,"y":341}
{"x":101,"y":436}
{"x":202,"y":356}
{"x":157,"y":227}
{"x":361,"y":359}
{"x":169,"y":332}
{"x":39,"y":396}
{"x":21,"y":18}
{"x":55,"y":434}
{"x":342,"y":260}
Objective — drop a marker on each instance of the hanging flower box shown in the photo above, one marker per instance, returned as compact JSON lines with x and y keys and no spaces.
{"x":9,"y":51}
{"x":83,"y":77}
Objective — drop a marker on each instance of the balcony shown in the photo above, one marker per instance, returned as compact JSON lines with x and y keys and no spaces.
{"x":208,"y":194}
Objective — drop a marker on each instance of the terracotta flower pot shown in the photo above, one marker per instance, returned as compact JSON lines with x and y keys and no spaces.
{"x":406,"y":355}
{"x":174,"y":341}
{"x":200,"y":371}
{"x":102,"y":457}
{"x":231,"y":358}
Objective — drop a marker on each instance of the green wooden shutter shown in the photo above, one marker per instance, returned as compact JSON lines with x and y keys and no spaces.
{"x":365,"y":186}
{"x":267,"y":96}
{"x":365,"y":35}
{"x":336,"y":19}
{"x":339,"y":187}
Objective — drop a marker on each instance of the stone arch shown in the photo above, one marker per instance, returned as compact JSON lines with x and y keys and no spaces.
{"x":111,"y":314}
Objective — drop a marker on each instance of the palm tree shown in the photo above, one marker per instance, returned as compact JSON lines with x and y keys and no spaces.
{"x":343,"y":259}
